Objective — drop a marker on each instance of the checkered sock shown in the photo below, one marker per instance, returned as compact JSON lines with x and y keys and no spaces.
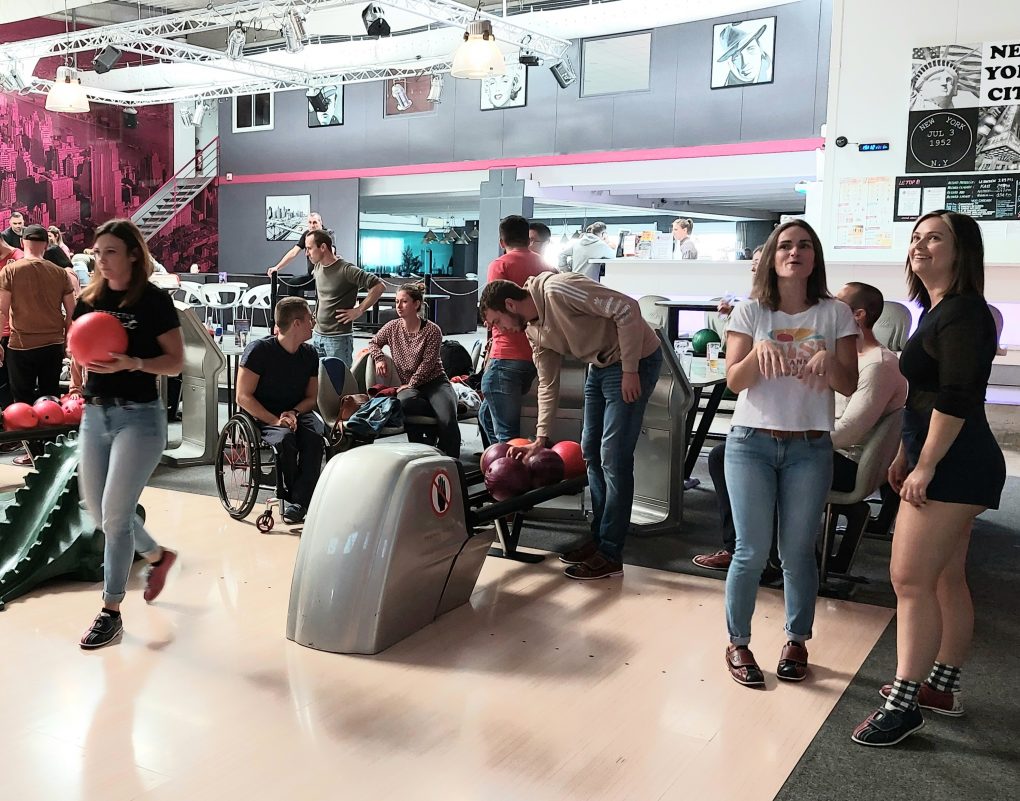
{"x":944,"y":678}
{"x":903,"y":695}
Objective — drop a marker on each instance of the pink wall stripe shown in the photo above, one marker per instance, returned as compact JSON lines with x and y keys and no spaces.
{"x":602,"y":157}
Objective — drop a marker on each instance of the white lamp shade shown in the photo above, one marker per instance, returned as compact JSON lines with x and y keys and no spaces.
{"x":67,"y":94}
{"x":478,"y":57}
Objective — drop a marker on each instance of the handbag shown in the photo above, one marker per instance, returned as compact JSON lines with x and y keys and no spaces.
{"x":349,"y":404}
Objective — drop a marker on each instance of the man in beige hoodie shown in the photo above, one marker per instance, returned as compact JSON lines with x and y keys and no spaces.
{"x":566,"y":314}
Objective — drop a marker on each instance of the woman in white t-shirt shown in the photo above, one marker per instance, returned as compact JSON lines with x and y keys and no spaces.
{"x":787,"y":350}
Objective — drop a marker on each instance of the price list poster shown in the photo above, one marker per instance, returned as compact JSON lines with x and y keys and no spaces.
{"x":864,"y":213}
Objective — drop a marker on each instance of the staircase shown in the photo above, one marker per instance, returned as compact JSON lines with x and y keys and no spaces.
{"x":179,"y":191}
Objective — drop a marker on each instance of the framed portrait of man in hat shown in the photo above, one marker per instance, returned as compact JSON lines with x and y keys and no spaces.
{"x":743,"y":52}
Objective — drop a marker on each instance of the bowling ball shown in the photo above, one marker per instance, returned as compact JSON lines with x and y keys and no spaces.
{"x":700,"y":340}
{"x":492,"y":453}
{"x":546,"y":468}
{"x":519,"y":442}
{"x":507,"y":478}
{"x":72,"y":412}
{"x":94,"y":336}
{"x":573,"y":461}
{"x":18,"y":416}
{"x":53,"y":398}
{"x":49,"y":412}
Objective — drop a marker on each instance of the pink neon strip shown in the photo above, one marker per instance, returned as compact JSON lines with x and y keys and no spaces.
{"x":601,"y":157}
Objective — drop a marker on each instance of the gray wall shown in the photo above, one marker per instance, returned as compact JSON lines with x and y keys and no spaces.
{"x":243,"y":245}
{"x":679,"y":110}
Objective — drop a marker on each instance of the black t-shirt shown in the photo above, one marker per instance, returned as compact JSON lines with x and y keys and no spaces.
{"x":14,"y":240}
{"x":148,"y":319}
{"x":948,"y":359}
{"x":283,"y":376}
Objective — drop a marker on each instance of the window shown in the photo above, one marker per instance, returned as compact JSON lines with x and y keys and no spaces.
{"x":612,"y":64}
{"x":377,"y":251}
{"x":253,"y":112}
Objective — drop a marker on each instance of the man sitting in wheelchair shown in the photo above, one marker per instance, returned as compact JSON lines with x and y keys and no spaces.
{"x":277,"y":384}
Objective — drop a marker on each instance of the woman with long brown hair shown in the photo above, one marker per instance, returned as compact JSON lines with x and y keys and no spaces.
{"x":123,"y":431}
{"x":788,"y":350}
{"x":948,"y":470}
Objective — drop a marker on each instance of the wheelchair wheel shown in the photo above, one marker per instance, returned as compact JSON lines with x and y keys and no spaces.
{"x":238,"y":467}
{"x":264,"y":522}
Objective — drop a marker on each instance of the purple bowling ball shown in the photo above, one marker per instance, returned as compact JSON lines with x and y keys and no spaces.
{"x":507,"y":478}
{"x":546,"y":468}
{"x":492,"y":453}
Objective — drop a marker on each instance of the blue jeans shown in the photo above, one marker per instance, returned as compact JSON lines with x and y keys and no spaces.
{"x":608,"y":439}
{"x":339,"y":345}
{"x":792,"y":477}
{"x":504,"y":385}
{"x":119,"y":447}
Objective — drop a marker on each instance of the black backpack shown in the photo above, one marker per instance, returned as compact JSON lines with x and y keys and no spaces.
{"x":455,"y":358}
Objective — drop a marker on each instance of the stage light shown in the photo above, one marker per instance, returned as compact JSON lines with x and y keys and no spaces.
{"x":317,"y":100}
{"x":294,"y":32}
{"x":478,"y":56}
{"x":375,"y":22}
{"x":104,"y":62}
{"x":200,"y":108}
{"x":236,"y":41}
{"x":67,"y":94}
{"x":435,"y":89}
{"x":129,"y":117}
{"x":11,"y":80}
{"x":527,"y":57}
{"x":563,"y":72}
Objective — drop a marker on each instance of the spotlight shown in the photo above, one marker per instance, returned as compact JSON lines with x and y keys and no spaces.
{"x":130,"y":117}
{"x":400,"y":95}
{"x":478,"y":56}
{"x":11,"y":80}
{"x":528,"y":57}
{"x":200,"y":108}
{"x":67,"y":94}
{"x":436,"y":89}
{"x":294,"y":32}
{"x":317,"y":100}
{"x":236,"y":41}
{"x":375,"y":22}
{"x":187,"y":115}
{"x":104,"y":62}
{"x":563,"y":72}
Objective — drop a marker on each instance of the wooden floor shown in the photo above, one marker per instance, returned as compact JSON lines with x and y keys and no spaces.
{"x":541,"y":688}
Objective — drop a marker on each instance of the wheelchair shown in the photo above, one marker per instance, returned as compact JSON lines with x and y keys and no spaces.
{"x":246,"y":464}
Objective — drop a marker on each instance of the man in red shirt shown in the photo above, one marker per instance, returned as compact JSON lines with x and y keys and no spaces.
{"x":510,"y":369}
{"x":8,"y":255}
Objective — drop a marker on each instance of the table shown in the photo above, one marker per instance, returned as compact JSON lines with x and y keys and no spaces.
{"x":674,"y":307}
{"x":701,"y":378}
{"x":232,"y":355}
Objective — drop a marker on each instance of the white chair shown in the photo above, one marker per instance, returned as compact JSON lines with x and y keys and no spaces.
{"x":893,"y":326}
{"x":220,"y":297}
{"x":877,"y":454}
{"x":655,"y":316}
{"x":258,"y":298}
{"x":191,"y":293}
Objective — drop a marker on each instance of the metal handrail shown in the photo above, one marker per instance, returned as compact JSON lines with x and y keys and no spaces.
{"x":209,"y":155}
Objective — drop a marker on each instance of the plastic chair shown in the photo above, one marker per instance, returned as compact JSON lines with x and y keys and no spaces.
{"x":258,"y":298}
{"x":191,"y":293}
{"x":655,"y":316}
{"x":335,"y":381}
{"x":997,"y":317}
{"x":476,"y":355}
{"x":893,"y":326}
{"x":220,"y":297}
{"x":877,"y":454}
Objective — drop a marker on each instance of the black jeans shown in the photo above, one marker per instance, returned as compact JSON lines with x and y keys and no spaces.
{"x":35,"y":372}
{"x":436,"y":399}
{"x":844,"y":475}
{"x":298,"y":456}
{"x":6,"y":396}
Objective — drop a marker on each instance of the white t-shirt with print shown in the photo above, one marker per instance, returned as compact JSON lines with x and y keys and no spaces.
{"x":787,"y":403}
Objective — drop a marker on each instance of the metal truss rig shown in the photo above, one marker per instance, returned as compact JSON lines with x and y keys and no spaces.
{"x":153,"y":37}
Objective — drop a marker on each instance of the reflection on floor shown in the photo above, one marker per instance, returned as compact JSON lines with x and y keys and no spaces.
{"x":541,"y":688}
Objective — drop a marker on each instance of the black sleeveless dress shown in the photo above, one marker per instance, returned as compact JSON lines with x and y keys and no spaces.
{"x":947,"y":362}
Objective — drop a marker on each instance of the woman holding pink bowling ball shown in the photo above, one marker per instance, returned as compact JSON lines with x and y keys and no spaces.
{"x":123,"y":429}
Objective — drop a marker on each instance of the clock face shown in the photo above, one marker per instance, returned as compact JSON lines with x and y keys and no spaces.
{"x":941,"y":140}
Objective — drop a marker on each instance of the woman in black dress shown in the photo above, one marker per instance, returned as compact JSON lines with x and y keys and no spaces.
{"x":949,"y":469}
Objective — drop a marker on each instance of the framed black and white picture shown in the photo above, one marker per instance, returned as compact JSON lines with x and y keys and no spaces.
{"x":286,"y":217}
{"x":408,"y":95}
{"x":743,"y":52}
{"x":326,"y":106}
{"x":509,"y":90}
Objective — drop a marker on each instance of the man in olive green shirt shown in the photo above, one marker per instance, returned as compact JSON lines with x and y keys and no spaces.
{"x":337,"y":284}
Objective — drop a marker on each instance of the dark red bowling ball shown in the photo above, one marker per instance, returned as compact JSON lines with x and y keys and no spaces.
{"x":492,"y":453}
{"x":49,"y":412}
{"x":546,"y":468}
{"x":507,"y":478}
{"x":94,"y":336}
